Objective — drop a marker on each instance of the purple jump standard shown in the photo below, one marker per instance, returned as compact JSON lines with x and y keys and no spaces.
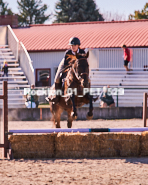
{"x":83,"y":130}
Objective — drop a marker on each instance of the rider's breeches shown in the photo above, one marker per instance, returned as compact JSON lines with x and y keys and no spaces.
{"x":57,"y":76}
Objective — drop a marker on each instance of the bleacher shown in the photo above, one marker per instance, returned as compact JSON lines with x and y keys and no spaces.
{"x":134,"y":82}
{"x":16,"y":79}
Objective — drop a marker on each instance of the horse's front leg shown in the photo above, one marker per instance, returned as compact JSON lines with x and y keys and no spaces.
{"x":70,"y":119}
{"x":57,"y":116}
{"x":90,"y":113}
{"x":74,"y":113}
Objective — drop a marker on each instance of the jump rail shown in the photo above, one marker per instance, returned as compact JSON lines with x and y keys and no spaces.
{"x":145,"y":96}
{"x":56,"y":130}
{"x":6,"y":145}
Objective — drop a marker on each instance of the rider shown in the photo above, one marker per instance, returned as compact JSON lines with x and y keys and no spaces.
{"x":74,"y":43}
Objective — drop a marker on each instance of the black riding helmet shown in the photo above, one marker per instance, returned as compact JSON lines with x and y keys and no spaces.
{"x":74,"y":41}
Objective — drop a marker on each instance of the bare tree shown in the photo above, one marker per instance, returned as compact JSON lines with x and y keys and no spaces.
{"x":111,"y":16}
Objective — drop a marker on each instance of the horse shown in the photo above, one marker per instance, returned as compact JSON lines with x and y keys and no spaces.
{"x":74,"y":83}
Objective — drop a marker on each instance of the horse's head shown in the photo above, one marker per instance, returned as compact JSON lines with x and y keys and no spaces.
{"x":82,"y":69}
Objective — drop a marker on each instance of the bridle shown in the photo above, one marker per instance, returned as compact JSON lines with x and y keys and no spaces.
{"x":79,"y":78}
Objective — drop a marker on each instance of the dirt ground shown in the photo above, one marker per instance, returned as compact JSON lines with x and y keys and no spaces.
{"x":100,"y":123}
{"x":103,"y":171}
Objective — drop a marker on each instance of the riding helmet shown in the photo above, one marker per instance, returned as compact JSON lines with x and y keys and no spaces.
{"x":74,"y":41}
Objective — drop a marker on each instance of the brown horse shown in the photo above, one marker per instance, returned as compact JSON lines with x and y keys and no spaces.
{"x":74,"y":84}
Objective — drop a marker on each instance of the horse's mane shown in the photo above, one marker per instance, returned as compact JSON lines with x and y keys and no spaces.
{"x":75,"y":62}
{"x":81,"y":62}
{"x":72,"y":58}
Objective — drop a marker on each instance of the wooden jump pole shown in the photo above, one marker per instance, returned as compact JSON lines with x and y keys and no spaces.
{"x":5,"y":146}
{"x":145,"y":96}
{"x":41,"y":114}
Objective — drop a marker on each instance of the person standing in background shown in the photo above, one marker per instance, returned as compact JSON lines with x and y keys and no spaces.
{"x":5,"y":69}
{"x":126,"y":56}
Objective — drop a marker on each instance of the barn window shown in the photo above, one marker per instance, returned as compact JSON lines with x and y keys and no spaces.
{"x":43,"y":77}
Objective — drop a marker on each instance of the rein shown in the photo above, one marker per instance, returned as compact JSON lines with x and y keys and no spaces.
{"x":76,"y":75}
{"x":66,"y":68}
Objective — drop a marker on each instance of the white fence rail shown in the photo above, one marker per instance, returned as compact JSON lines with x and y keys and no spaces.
{"x":140,"y":57}
{"x":26,"y":64}
{"x":3,"y":35}
{"x":113,"y":57}
{"x":13,"y":42}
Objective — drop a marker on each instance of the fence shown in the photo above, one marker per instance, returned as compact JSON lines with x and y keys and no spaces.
{"x":145,"y":96}
{"x":5,"y":145}
{"x":118,"y":96}
{"x":13,"y":42}
{"x":26,"y":64}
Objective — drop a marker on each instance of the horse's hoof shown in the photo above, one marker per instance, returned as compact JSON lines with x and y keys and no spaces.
{"x":69,"y":124}
{"x":57,"y":126}
{"x":89,"y":117}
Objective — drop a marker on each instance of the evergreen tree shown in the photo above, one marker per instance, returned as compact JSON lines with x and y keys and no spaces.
{"x":77,"y":11}
{"x":31,"y":12}
{"x":140,"y":15}
{"x":4,"y":10}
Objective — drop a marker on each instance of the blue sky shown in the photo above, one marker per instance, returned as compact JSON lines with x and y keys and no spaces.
{"x":121,"y":7}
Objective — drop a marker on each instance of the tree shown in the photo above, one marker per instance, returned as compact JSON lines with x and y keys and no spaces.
{"x":31,"y":12}
{"x":77,"y":11}
{"x":140,"y":15}
{"x":111,"y":16}
{"x":4,"y":10}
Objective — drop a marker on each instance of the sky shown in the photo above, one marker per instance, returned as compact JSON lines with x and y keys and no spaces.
{"x":122,"y":7}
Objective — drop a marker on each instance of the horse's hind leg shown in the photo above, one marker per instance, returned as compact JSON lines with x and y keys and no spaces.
{"x":90,"y":113}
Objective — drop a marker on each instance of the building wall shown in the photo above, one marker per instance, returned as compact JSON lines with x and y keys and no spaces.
{"x":98,"y":58}
{"x":140,"y":57}
{"x":98,"y":113}
{"x":47,"y":60}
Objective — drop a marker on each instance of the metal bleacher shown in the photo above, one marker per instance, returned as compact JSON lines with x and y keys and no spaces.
{"x":134,"y":82}
{"x":16,"y":79}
